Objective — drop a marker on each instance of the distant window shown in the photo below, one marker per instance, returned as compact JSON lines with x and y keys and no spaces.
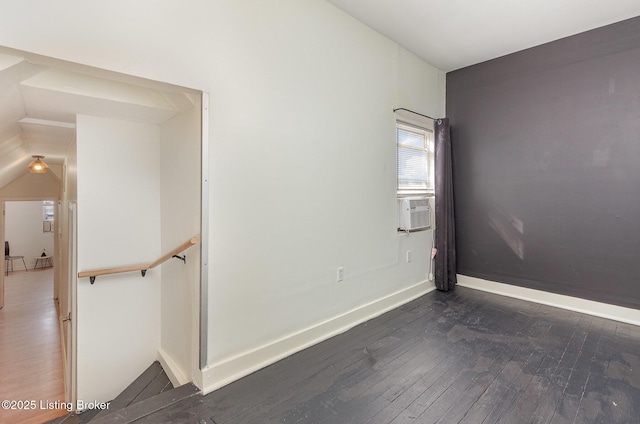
{"x":47,"y":210}
{"x":47,"y":216}
{"x":415,"y":159}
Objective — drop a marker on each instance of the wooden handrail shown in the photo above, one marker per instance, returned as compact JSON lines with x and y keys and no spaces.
{"x":116,"y":270}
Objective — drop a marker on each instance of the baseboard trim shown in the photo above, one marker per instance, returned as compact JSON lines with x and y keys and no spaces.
{"x":590,"y":307}
{"x":224,"y":372}
{"x":176,"y":375}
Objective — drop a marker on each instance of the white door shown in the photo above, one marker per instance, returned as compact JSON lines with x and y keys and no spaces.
{"x":4,"y":263}
{"x":69,"y":321}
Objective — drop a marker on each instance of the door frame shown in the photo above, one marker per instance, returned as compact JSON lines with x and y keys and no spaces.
{"x":71,"y":341}
{"x":70,"y":282}
{"x":200,"y":327}
{"x":4,"y":263}
{"x":204,"y":235}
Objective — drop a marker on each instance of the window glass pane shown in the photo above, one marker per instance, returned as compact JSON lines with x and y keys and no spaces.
{"x":412,"y":169}
{"x":410,"y":138}
{"x":415,"y":159}
{"x":47,"y":210}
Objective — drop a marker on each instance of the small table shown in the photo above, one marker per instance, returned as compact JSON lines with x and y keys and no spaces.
{"x":45,"y":261}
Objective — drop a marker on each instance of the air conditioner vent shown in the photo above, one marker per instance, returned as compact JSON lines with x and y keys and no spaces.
{"x":413,"y":213}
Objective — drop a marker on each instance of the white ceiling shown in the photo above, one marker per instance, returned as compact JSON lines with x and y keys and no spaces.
{"x":39,"y":103}
{"x":452,"y":34}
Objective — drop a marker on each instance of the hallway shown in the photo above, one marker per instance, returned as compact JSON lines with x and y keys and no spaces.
{"x":30,"y":352}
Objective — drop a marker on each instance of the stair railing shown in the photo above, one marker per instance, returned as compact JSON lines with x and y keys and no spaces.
{"x":92,"y":274}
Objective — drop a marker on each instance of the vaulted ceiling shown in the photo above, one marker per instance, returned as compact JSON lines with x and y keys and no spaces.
{"x":39,"y":104}
{"x":452,"y":34}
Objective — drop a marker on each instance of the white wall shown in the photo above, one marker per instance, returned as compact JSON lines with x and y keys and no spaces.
{"x":23,"y":229}
{"x":118,"y":171}
{"x":180,"y":211}
{"x":302,"y":152}
{"x":303,"y":173}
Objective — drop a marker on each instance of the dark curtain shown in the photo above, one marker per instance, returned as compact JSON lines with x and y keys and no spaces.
{"x":445,"y":260}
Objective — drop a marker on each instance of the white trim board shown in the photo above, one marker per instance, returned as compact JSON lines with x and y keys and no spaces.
{"x":176,"y":375}
{"x":590,"y":307}
{"x":229,"y":370}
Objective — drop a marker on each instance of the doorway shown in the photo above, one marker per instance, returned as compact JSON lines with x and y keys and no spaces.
{"x":31,"y":358}
{"x":58,"y":122}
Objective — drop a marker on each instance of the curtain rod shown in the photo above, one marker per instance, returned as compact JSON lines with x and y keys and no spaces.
{"x":426,"y":116}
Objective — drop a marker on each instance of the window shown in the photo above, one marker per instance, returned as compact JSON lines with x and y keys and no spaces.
{"x":47,"y":210}
{"x":415,"y":160}
{"x":47,"y":216}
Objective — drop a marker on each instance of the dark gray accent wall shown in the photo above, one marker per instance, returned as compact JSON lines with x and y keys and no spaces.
{"x":546,"y":157}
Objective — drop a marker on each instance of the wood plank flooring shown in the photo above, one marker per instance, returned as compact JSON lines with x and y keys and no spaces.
{"x":458,"y":357}
{"x":30,"y":351}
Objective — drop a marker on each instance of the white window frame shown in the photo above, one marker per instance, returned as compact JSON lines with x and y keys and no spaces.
{"x":428,"y":149}
{"x":48,"y":215}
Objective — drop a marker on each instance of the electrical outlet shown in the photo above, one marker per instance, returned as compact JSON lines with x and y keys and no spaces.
{"x":340,"y":273}
{"x":408,"y":256}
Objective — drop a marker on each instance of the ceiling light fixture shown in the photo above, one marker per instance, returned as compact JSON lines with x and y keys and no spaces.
{"x":37,"y":166}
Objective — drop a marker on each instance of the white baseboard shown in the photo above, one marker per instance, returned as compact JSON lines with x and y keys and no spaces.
{"x":603,"y":310}
{"x":224,"y":372}
{"x":176,"y":375}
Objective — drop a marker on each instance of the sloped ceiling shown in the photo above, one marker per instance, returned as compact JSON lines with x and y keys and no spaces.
{"x":452,"y":34}
{"x":39,"y":104}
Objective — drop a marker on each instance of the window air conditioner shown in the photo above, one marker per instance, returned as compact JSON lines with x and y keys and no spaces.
{"x":413,"y":213}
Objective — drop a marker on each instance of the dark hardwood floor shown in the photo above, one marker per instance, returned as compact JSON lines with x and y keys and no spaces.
{"x":458,"y":357}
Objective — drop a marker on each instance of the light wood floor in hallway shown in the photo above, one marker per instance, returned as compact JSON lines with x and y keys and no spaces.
{"x":30,"y":351}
